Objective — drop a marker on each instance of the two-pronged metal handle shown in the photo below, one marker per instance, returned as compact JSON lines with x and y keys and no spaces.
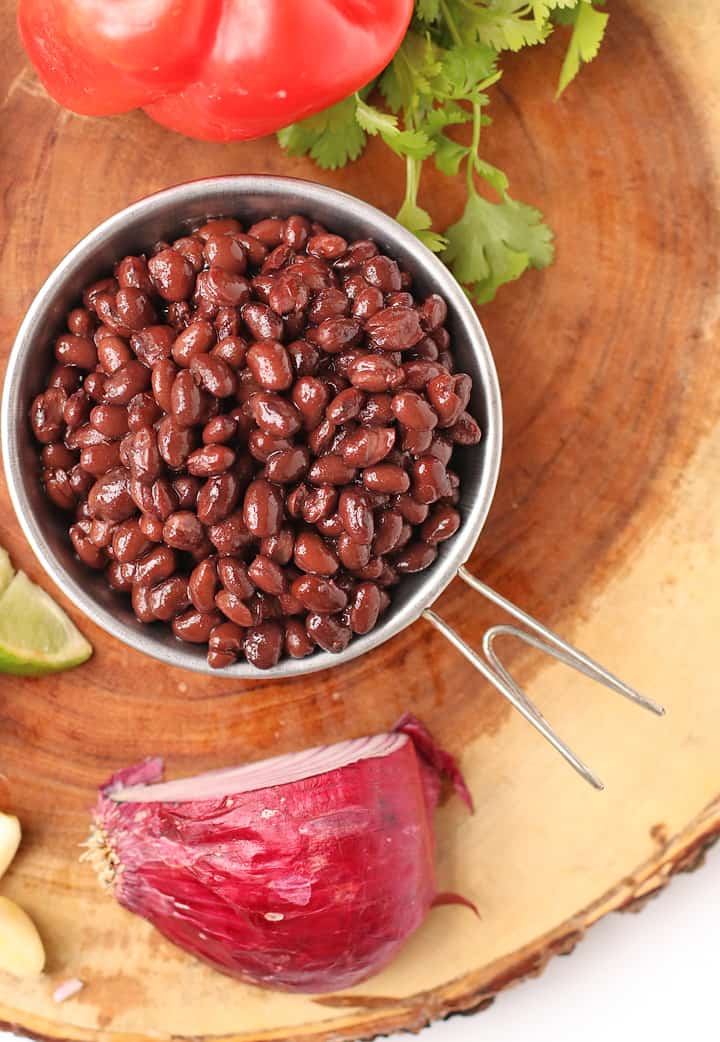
{"x":493,"y":670}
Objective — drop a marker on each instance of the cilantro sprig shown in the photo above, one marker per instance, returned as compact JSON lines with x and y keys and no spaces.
{"x":439,"y":79}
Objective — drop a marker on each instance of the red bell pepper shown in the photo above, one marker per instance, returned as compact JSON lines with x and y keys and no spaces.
{"x":219,"y":70}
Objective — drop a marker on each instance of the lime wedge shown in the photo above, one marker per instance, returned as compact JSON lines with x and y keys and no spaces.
{"x":6,"y":570}
{"x":36,"y":636}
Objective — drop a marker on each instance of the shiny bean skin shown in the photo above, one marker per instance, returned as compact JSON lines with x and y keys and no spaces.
{"x":120,"y":577}
{"x":233,"y":576}
{"x":65,"y":377}
{"x":141,"y":603}
{"x":442,"y":523}
{"x":386,"y":477}
{"x":110,"y":499}
{"x":129,"y":542}
{"x":335,"y":334}
{"x":305,"y":357}
{"x":262,"y":322}
{"x":226,"y":251}
{"x":92,"y":556}
{"x":110,"y":420}
{"x":210,"y":461}
{"x":163,"y":378}
{"x":414,"y":411}
{"x":263,"y":508}
{"x":183,"y":531}
{"x":321,"y":438}
{"x":112,"y":354}
{"x":388,"y":529}
{"x":310,"y":397}
{"x":126,"y":382}
{"x":367,"y":446}
{"x":319,"y":503}
{"x":352,"y":555}
{"x":267,"y":575}
{"x":313,"y":554}
{"x":288,"y":465}
{"x":297,"y":643}
{"x":169,"y":598}
{"x":225,"y":645}
{"x":365,"y":607}
{"x":217,"y":498}
{"x":327,"y":632}
{"x":172,"y":274}
{"x":417,"y":442}
{"x":346,"y":405}
{"x":56,"y":457}
{"x":195,"y":627}
{"x":219,"y":430}
{"x":214,"y":375}
{"x":232,"y":349}
{"x":377,"y":411}
{"x":330,"y":469}
{"x":186,"y":400}
{"x":151,"y":527}
{"x":99,"y":459}
{"x":263,"y":644}
{"x":143,"y":455}
{"x":191,"y":247}
{"x":76,"y":410}
{"x":218,"y":226}
{"x":58,"y":489}
{"x":231,"y":535}
{"x":356,"y":515}
{"x":203,"y":585}
{"x":275,"y":415}
{"x":270,"y":365}
{"x":466,"y":431}
{"x":175,"y":443}
{"x":234,"y":608}
{"x":79,"y":351}
{"x":259,"y":495}
{"x":382,"y":272}
{"x":143,"y":411}
{"x":374,"y":373}
{"x":418,"y":374}
{"x":153,"y":344}
{"x":415,"y":557}
{"x":318,"y":594}
{"x":195,"y":339}
{"x":46,"y":415}
{"x":155,"y":566}
{"x":94,"y":386}
{"x":429,"y":480}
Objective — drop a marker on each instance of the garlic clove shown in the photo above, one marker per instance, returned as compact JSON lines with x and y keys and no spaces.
{"x":9,"y":840}
{"x":21,"y":949}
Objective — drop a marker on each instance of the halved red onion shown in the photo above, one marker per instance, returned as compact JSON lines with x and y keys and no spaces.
{"x":304,"y":872}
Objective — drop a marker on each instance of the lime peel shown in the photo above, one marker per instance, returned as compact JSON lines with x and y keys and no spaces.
{"x":36,"y":636}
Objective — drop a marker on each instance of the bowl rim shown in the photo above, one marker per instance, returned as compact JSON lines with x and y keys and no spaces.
{"x":308,"y":194}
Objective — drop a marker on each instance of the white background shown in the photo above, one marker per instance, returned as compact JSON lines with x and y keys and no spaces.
{"x":655,"y":976}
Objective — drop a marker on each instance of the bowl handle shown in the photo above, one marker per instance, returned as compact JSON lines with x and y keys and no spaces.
{"x":490,"y":666}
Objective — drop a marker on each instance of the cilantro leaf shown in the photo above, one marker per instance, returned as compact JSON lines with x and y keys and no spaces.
{"x":332,"y":138}
{"x":494,"y":243}
{"x":427,"y":10}
{"x":449,"y":154}
{"x":505,"y":25}
{"x":417,"y":220}
{"x":587,"y":35}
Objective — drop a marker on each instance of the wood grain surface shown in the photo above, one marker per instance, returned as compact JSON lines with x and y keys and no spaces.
{"x":604,"y":525}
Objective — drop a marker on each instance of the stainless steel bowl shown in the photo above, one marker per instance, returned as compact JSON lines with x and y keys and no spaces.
{"x":167,"y":215}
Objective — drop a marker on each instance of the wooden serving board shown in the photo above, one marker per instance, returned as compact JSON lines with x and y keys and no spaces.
{"x":604,"y":525}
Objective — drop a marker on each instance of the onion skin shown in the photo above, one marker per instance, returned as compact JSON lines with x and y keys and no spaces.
{"x":309,"y":886}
